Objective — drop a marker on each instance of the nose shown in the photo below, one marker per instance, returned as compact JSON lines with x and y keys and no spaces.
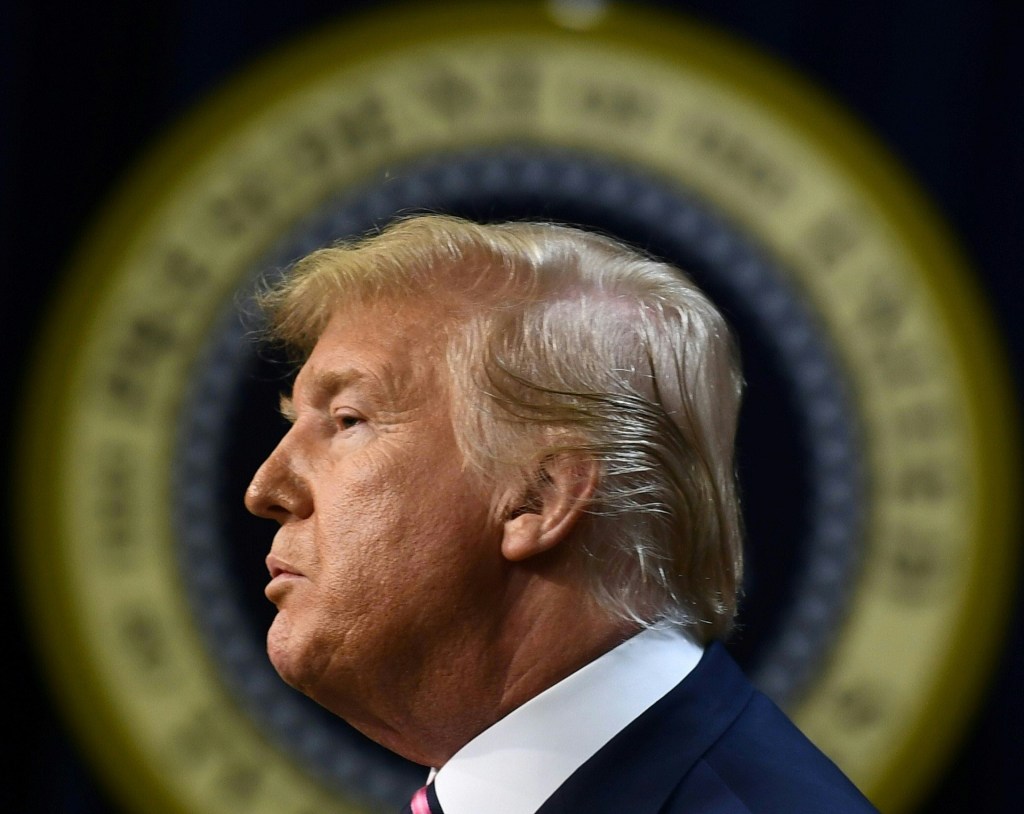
{"x":278,"y":491}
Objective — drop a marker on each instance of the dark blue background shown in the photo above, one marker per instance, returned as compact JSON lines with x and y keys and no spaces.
{"x":88,"y":87}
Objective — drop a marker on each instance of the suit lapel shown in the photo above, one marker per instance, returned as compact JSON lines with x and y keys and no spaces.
{"x":638,"y":769}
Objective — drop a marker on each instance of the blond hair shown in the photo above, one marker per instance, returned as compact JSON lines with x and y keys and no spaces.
{"x":564,"y":341}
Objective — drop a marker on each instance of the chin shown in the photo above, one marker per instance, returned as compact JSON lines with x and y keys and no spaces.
{"x":299,"y":657}
{"x":280,"y":650}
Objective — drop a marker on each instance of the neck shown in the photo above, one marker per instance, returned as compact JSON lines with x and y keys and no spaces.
{"x":550,"y":628}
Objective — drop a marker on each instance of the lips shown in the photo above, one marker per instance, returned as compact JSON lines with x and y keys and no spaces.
{"x":283,"y":576}
{"x":278,"y":567}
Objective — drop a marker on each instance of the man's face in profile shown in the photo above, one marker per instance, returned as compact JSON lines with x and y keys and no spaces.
{"x":388,"y":551}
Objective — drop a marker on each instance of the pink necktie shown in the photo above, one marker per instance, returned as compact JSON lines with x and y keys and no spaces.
{"x":419,"y":804}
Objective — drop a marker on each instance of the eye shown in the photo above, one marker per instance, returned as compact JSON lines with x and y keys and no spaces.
{"x":346,"y":421}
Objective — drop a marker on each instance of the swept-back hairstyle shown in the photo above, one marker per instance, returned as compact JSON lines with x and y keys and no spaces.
{"x":561,"y":341}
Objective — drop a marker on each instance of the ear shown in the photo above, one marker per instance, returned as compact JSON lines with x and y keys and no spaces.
{"x":551,"y":507}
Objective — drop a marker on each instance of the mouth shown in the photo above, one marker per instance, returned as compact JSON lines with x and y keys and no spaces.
{"x":278,"y":567}
{"x":282,"y":576}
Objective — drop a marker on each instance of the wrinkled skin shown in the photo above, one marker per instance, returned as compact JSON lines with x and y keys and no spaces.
{"x":398,"y":608}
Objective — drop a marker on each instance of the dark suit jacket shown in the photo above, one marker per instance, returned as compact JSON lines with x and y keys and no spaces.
{"x":713,"y":745}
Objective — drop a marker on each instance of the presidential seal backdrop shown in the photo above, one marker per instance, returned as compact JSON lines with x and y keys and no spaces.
{"x":876,"y":470}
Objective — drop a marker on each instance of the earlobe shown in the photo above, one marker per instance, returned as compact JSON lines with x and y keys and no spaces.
{"x":563,"y":489}
{"x":521,"y":537}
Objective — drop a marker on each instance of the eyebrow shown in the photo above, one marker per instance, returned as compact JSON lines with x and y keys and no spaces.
{"x":287,"y":408}
{"x":326,"y":384}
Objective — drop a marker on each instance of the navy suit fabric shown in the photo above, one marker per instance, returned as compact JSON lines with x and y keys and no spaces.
{"x":713,"y":745}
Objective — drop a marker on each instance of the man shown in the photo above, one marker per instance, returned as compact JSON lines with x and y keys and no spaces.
{"x":509,"y":536}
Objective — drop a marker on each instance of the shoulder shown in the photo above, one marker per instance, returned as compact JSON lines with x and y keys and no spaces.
{"x":762,"y":763}
{"x":706,"y":791}
{"x":712,"y":745}
{"x":711,"y":787}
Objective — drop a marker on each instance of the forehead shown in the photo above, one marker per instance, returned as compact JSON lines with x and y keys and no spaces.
{"x":386,"y":348}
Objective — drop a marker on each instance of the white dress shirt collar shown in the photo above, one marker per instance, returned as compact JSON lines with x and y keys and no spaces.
{"x":516,"y":764}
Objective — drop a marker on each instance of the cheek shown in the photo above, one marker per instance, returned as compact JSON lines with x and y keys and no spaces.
{"x":396,"y":526}
{"x":367,"y":540}
{"x":416,"y":537}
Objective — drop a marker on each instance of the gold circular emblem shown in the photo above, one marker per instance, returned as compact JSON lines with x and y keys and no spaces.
{"x":346,"y":110}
